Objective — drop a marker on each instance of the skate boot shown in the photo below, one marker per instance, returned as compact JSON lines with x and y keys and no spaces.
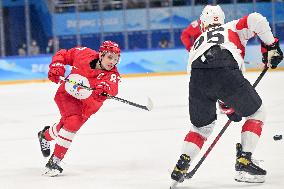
{"x":247,"y":169}
{"x":52,"y":167}
{"x":44,"y":144}
{"x":181,"y":168}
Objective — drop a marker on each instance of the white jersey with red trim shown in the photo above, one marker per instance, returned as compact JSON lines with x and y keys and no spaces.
{"x":233,"y":36}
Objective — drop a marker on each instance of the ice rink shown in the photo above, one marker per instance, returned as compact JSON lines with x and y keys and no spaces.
{"x":122,"y":147}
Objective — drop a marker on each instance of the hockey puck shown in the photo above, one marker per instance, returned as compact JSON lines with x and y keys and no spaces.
{"x":277,"y":137}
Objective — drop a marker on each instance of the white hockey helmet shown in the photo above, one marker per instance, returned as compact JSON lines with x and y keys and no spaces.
{"x":211,"y":14}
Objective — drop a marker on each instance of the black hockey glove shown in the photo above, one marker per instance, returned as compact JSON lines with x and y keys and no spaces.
{"x":234,"y":117}
{"x":272,"y":55}
{"x":230,"y":112}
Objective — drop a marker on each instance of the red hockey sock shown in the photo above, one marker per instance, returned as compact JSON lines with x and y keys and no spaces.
{"x":195,"y":138}
{"x":66,"y":134}
{"x":52,"y":132}
{"x":254,"y":126}
{"x":251,"y":132}
{"x":59,"y":151}
{"x":193,"y":143}
{"x":63,"y":142}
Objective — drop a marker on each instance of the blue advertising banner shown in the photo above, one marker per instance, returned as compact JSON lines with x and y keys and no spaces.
{"x":32,"y":68}
{"x":171,"y":60}
{"x":24,"y":68}
{"x":134,"y":62}
{"x":66,"y":24}
{"x":136,"y":19}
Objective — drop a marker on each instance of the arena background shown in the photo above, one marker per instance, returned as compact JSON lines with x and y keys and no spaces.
{"x":32,"y":30}
{"x":122,"y":146}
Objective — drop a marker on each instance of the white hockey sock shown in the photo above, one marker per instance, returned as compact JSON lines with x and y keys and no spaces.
{"x":251,"y":132}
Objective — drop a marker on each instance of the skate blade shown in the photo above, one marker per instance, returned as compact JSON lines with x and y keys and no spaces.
{"x":50,"y":172}
{"x":242,"y":176}
{"x":174,"y":185}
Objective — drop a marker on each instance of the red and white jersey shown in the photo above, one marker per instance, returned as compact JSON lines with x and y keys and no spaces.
{"x":233,"y":36}
{"x":79,"y":58}
{"x":190,"y":34}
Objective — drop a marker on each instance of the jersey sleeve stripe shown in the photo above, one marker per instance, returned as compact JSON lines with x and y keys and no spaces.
{"x":242,"y":23}
{"x":234,"y":38}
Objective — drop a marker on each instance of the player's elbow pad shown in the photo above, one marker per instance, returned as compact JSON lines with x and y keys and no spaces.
{"x":59,"y":56}
{"x":259,"y":24}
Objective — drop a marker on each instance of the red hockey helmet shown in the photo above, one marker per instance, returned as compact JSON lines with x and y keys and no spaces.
{"x":110,"y":46}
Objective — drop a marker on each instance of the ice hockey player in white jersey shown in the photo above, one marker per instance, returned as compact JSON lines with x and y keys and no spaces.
{"x":215,"y":61}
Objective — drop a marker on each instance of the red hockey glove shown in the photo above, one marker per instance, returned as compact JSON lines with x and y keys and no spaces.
{"x":224,"y":108}
{"x":272,"y":55}
{"x":101,"y":91}
{"x":55,"y":71}
{"x":230,"y":112}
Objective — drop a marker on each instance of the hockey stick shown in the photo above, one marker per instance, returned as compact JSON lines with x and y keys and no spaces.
{"x":148,"y":107}
{"x":190,"y":174}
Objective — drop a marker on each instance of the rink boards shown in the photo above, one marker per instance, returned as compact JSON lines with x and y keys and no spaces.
{"x":132,"y":64}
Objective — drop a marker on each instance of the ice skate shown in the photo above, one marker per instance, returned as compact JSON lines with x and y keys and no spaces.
{"x":52,"y":167}
{"x":44,"y":144}
{"x":181,"y":168}
{"x":247,"y":170}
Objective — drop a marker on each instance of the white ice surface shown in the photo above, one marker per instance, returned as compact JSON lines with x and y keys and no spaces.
{"x":122,"y":147}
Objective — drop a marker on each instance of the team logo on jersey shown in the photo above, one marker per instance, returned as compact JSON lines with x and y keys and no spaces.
{"x":74,"y":87}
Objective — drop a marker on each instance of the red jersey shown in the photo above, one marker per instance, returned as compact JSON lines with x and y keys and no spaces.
{"x":190,"y":34}
{"x":80,"y":58}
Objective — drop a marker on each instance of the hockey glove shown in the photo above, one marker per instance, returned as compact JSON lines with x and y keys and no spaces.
{"x":55,"y":71}
{"x":101,"y":91}
{"x":230,"y":112}
{"x":272,"y":55}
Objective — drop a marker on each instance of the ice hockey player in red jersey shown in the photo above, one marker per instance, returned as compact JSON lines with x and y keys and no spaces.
{"x":215,"y":61}
{"x":190,"y":34}
{"x":76,"y":104}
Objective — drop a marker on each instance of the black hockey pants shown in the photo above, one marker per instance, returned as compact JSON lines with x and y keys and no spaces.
{"x":226,"y":83}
